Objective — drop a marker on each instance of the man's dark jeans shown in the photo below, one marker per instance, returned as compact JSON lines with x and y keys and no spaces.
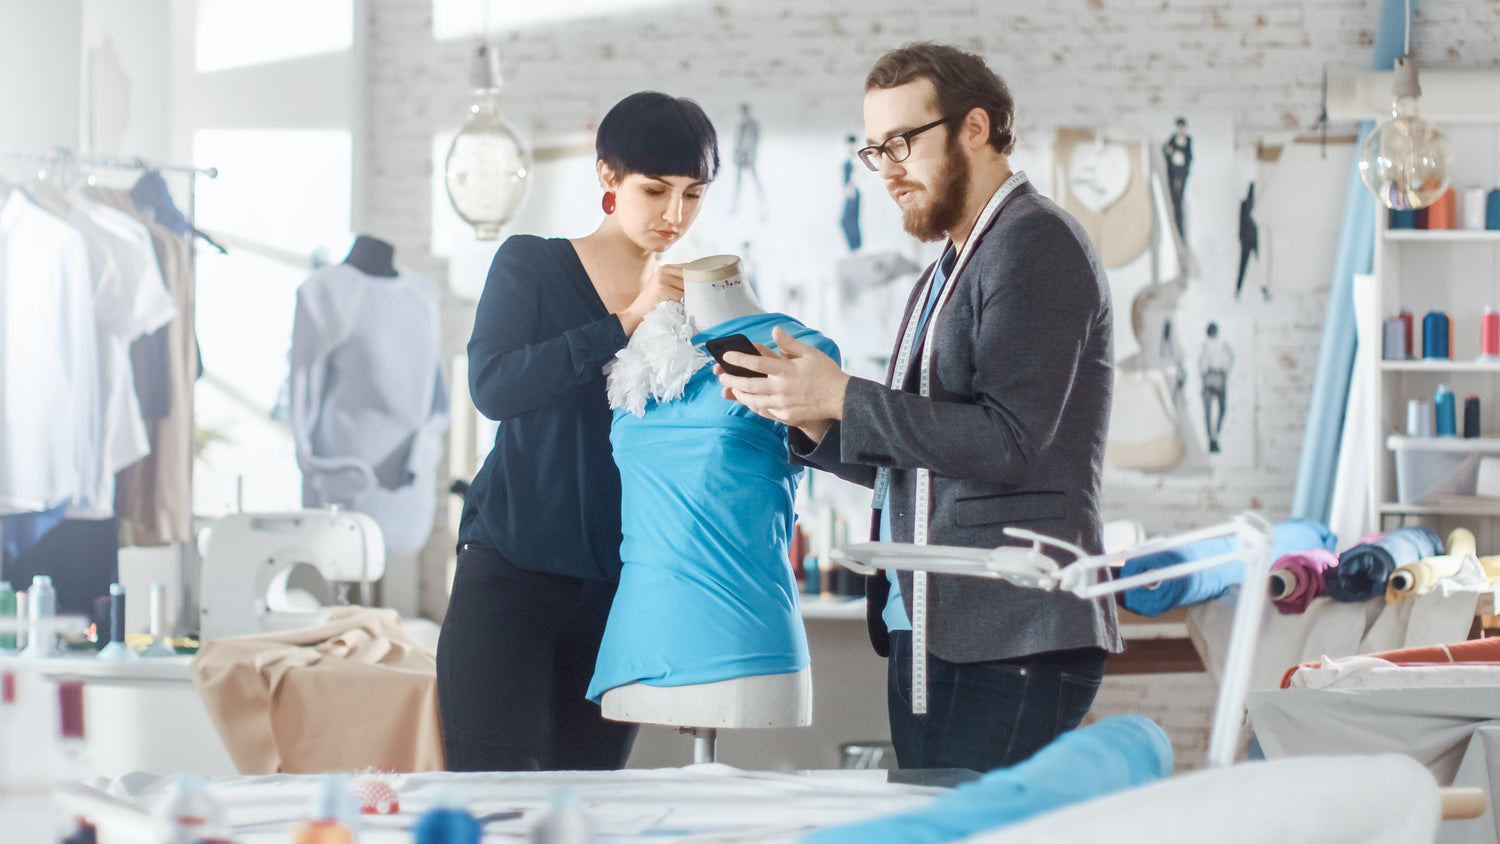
{"x":987,"y":715}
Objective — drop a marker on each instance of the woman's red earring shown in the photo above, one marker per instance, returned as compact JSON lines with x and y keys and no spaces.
{"x":609,"y":202}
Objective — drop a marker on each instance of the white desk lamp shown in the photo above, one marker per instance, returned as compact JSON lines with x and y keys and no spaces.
{"x":1086,"y":577}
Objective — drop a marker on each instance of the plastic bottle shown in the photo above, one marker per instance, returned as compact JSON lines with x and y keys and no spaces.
{"x":334,"y":816}
{"x":43,"y":604}
{"x":7,"y":613}
{"x":188,"y":815}
{"x":447,"y":822}
{"x":565,"y":822}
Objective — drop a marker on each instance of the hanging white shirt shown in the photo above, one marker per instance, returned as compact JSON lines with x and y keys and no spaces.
{"x":130,"y":301}
{"x":49,"y":360}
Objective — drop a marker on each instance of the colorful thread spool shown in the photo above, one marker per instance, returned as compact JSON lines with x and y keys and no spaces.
{"x":1473,"y":208}
{"x":1435,"y":335}
{"x":1489,"y":333}
{"x":1406,"y":318}
{"x":1471,"y":417}
{"x":1492,"y":211}
{"x":1442,"y":401}
{"x":1443,"y":214}
{"x":1419,"y":418}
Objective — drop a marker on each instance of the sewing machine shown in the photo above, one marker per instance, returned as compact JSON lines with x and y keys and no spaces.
{"x":264,"y":572}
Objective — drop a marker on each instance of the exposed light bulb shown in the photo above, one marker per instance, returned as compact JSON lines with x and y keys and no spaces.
{"x":1406,"y":162}
{"x":488,"y":168}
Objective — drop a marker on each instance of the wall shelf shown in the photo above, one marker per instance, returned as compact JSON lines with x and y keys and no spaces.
{"x":1454,"y":507}
{"x":1440,"y":366}
{"x":1443,"y":235}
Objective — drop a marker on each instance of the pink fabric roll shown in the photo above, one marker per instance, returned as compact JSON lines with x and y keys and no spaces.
{"x":1308,"y":568}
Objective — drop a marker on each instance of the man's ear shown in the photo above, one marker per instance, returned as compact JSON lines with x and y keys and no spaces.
{"x":975,"y":131}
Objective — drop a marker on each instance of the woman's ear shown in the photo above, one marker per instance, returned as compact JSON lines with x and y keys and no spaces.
{"x":607,"y":178}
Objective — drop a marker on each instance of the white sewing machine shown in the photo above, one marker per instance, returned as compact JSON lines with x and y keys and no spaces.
{"x":264,"y":572}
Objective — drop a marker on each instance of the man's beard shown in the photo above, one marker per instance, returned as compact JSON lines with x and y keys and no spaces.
{"x":949,"y":190}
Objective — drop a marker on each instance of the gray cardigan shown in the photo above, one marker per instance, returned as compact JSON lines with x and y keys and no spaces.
{"x":1013,"y":433}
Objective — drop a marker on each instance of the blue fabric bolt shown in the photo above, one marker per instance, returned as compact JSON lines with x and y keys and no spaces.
{"x":706,"y":591}
{"x":1206,"y":585}
{"x":1317,"y":471}
{"x":1363,"y":570}
{"x":1110,"y":755}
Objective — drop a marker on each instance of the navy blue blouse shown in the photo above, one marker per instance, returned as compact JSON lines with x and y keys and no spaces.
{"x":548,"y":495}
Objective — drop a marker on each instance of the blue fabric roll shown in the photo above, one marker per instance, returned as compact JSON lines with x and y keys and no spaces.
{"x":1363,"y":570}
{"x":1206,"y":585}
{"x":1110,"y":755}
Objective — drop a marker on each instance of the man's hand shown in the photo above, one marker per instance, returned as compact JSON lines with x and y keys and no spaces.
{"x":803,"y":387}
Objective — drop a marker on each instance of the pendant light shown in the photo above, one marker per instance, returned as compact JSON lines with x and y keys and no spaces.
{"x":1406,"y":162}
{"x":488,"y":168}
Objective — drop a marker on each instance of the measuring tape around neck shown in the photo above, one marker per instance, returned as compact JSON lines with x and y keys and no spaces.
{"x":922,"y":505}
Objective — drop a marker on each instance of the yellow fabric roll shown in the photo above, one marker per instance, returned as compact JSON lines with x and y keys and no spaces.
{"x":1422,"y":575}
{"x":1461,"y":542}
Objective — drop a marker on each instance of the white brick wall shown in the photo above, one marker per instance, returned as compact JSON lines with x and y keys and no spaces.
{"x":1077,"y":63}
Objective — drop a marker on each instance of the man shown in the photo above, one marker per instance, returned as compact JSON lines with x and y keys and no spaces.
{"x":1178,"y":152}
{"x":1000,"y":416}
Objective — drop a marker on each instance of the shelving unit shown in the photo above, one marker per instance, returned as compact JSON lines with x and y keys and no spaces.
{"x":1457,"y":272}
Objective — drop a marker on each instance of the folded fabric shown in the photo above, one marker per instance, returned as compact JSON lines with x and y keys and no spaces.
{"x":1363,"y":570}
{"x":1290,"y":536}
{"x":1113,"y":754}
{"x":1418,"y":578}
{"x":1301,"y":580}
{"x":1474,"y":650}
{"x":354,"y":692}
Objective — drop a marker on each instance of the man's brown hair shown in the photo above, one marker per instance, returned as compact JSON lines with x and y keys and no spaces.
{"x":962,"y":80}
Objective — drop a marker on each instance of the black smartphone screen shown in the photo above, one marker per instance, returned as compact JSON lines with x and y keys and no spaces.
{"x":733,"y":343}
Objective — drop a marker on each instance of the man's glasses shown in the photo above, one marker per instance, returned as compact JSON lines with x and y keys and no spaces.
{"x":896,"y":147}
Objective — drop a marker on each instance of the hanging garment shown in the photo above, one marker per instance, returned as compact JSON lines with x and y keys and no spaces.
{"x":706,"y":592}
{"x":49,"y":360}
{"x":153,"y":496}
{"x":369,"y":401}
{"x":130,"y":301}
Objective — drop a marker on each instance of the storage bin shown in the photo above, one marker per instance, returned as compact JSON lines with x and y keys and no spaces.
{"x":1430,"y":470}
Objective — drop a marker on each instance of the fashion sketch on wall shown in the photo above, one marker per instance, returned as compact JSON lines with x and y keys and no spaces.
{"x":849,"y":218}
{"x":1249,"y":243}
{"x":1178,"y":154}
{"x":1214,"y":362}
{"x":746,"y":151}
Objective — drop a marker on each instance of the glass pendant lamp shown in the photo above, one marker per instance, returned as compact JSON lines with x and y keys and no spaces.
{"x":1406,"y":162}
{"x":488,"y":168}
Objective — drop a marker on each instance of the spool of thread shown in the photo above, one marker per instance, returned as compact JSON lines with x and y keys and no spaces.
{"x":1393,"y":345}
{"x":1489,"y":333}
{"x":1473,"y":208}
{"x":1443,"y":402}
{"x":1400,"y":219}
{"x":1406,"y":319}
{"x":1282,"y":583}
{"x":43,"y":605}
{"x":1471,"y":417}
{"x":1443,"y":214}
{"x":1450,"y":338}
{"x":1492,"y":210}
{"x":101,"y":621}
{"x":1435,"y":335}
{"x":1419,"y":418}
{"x":1421,"y":218}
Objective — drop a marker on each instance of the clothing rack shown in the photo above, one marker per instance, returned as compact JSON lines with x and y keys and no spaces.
{"x":62,"y":158}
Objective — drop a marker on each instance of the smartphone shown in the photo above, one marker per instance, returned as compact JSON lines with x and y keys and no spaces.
{"x":733,"y":343}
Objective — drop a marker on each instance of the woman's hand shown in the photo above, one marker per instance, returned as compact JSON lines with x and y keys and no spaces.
{"x":664,"y":285}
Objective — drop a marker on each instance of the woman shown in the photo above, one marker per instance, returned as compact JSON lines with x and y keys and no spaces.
{"x":539,"y":542}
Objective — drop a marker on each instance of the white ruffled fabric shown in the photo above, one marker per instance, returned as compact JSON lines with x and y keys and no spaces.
{"x":657,"y":363}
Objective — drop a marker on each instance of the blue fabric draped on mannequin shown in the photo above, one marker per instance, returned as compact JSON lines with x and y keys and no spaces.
{"x":706,"y":592}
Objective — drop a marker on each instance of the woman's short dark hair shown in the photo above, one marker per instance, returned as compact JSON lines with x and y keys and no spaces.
{"x":657,"y":135}
{"x":962,"y":80}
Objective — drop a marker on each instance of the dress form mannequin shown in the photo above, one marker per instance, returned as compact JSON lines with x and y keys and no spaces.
{"x":715,"y":291}
{"x":372,"y":256}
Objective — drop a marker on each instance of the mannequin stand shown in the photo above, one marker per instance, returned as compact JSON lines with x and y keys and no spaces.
{"x":701,"y":710}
